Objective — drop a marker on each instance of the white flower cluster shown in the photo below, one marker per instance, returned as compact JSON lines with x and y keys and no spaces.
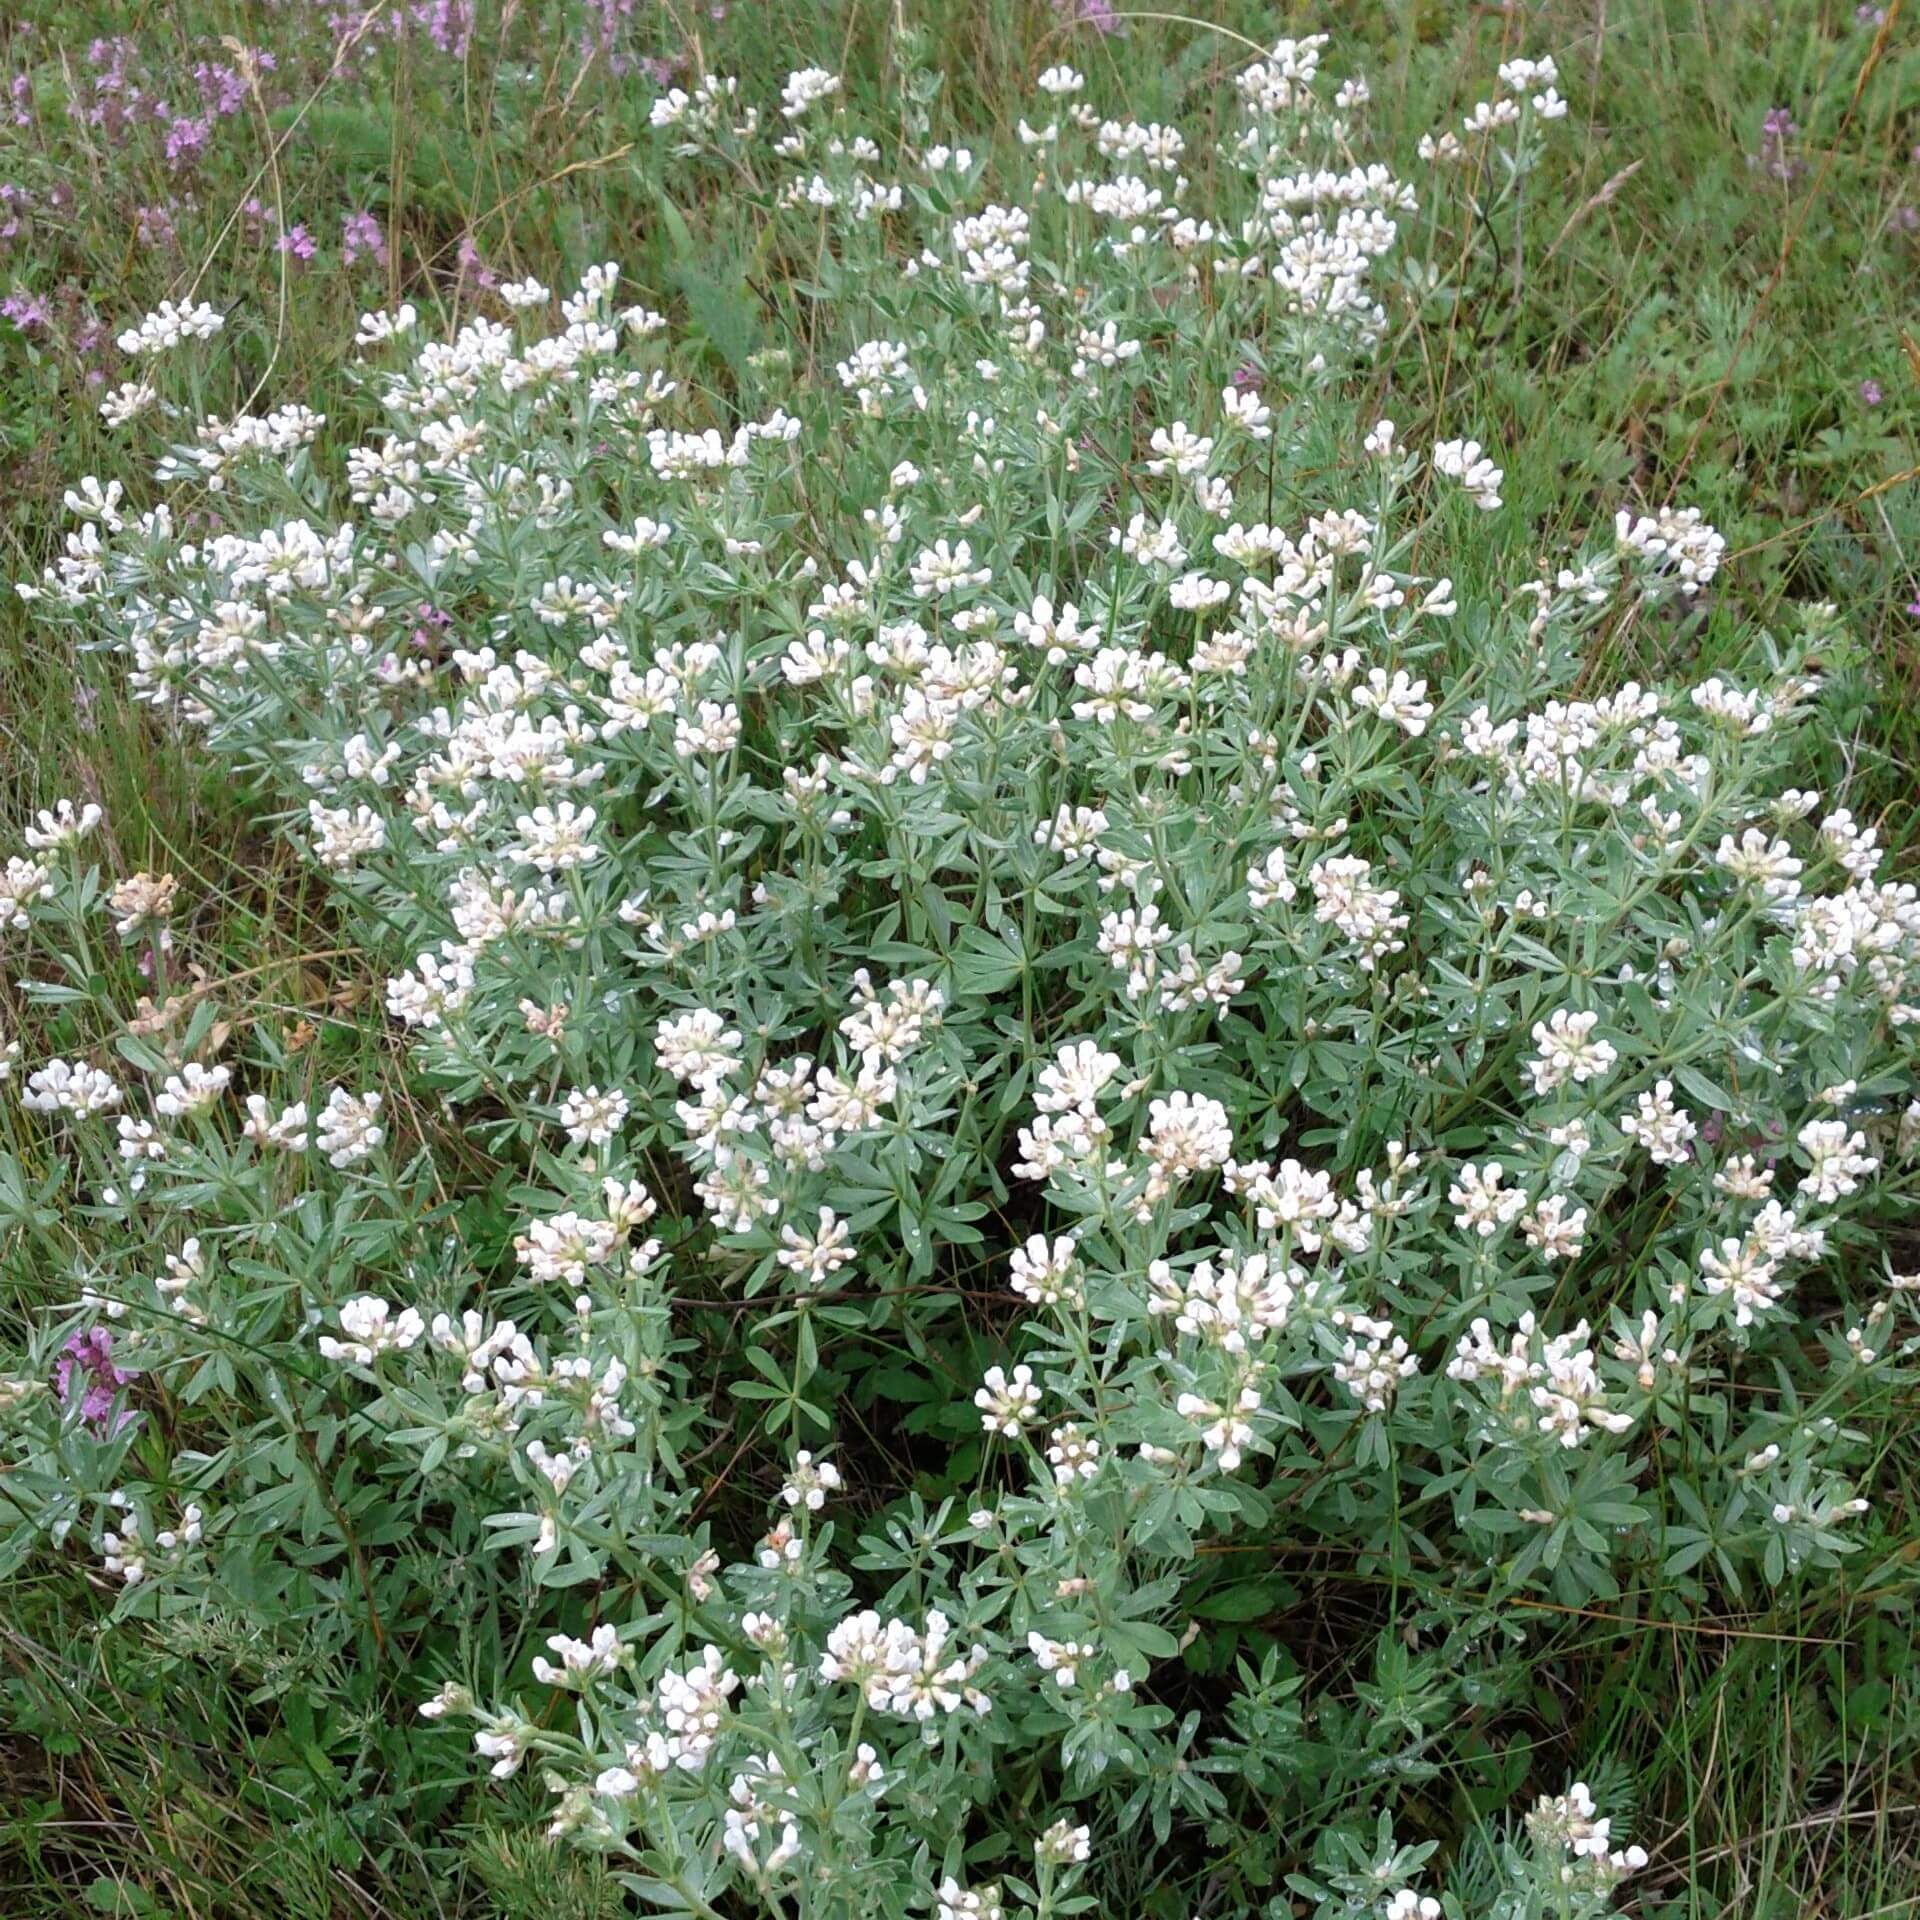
{"x":911,"y":913}
{"x":1552,"y":1385}
{"x":1568,"y":1823}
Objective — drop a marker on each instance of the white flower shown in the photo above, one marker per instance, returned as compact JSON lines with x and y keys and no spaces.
{"x":1758,"y":861}
{"x":372,"y":1330}
{"x":1743,"y":713}
{"x":192,"y":1091}
{"x":1568,"y":1051}
{"x":580,"y":1660}
{"x":856,"y":1650}
{"x":809,"y":1481}
{"x":342,"y":834}
{"x":698,"y":1048}
{"x":1008,"y":1404}
{"x":1225,"y":1430}
{"x":127,"y":402}
{"x":288,"y":1132}
{"x":1060,"y":1658}
{"x":1568,"y":1821}
{"x":817,"y":1255}
{"x":1073,"y":1455}
{"x":505,"y":1746}
{"x":167,"y":326}
{"x":1269,"y":883}
{"x":346,"y":1131}
{"x":1187,"y":1133}
{"x":1042,"y":1270}
{"x":556,"y":839}
{"x":452,"y":1697}
{"x":1056,"y":634}
{"x":1373,"y":1360}
{"x":954,"y":1902}
{"x":1673,"y":546}
{"x":24,"y":884}
{"x":1666,"y":1131}
{"x":1546,"y":1387}
{"x":374,"y":329}
{"x":713,"y":729}
{"x":1131,"y":939}
{"x":1346,"y":898}
{"x":1554,"y":1232}
{"x":1400,"y":700}
{"x":943,"y":569}
{"x":1074,"y":1079}
{"x":591,"y":1117}
{"x":1064,"y":1844}
{"x":804,"y":87}
{"x":64,"y":1086}
{"x":64,"y":825}
{"x":1836,"y":1160}
{"x":913,"y":1675}
{"x":1746,"y":1274}
{"x":1463,"y":460}
{"x":435,"y":988}
{"x":1744,"y":1178}
{"x":1483,"y":1203}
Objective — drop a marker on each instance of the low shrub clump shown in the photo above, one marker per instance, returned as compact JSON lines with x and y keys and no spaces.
{"x":1075,"y":1111}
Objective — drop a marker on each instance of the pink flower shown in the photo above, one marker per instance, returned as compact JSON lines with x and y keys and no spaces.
{"x":472,"y":262}
{"x":360,"y":234}
{"x":89,"y":1358}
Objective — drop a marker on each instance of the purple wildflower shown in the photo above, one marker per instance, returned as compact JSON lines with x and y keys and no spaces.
{"x":1870,"y":395}
{"x":185,"y":138}
{"x":471,"y":262}
{"x":115,"y":100}
{"x":1777,"y":135}
{"x":360,"y":234}
{"x":450,"y":26}
{"x":27,"y":311}
{"x":153,"y":227}
{"x":88,"y":1357}
{"x":297,"y":242}
{"x":222,"y":91}
{"x":433,"y":623}
{"x":90,"y":343}
{"x":15,"y":205}
{"x":600,"y":37}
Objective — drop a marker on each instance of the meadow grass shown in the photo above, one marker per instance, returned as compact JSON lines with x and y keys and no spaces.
{"x":1726,"y":316}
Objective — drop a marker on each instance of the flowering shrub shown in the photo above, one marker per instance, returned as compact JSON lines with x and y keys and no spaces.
{"x":1012,"y":1014}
